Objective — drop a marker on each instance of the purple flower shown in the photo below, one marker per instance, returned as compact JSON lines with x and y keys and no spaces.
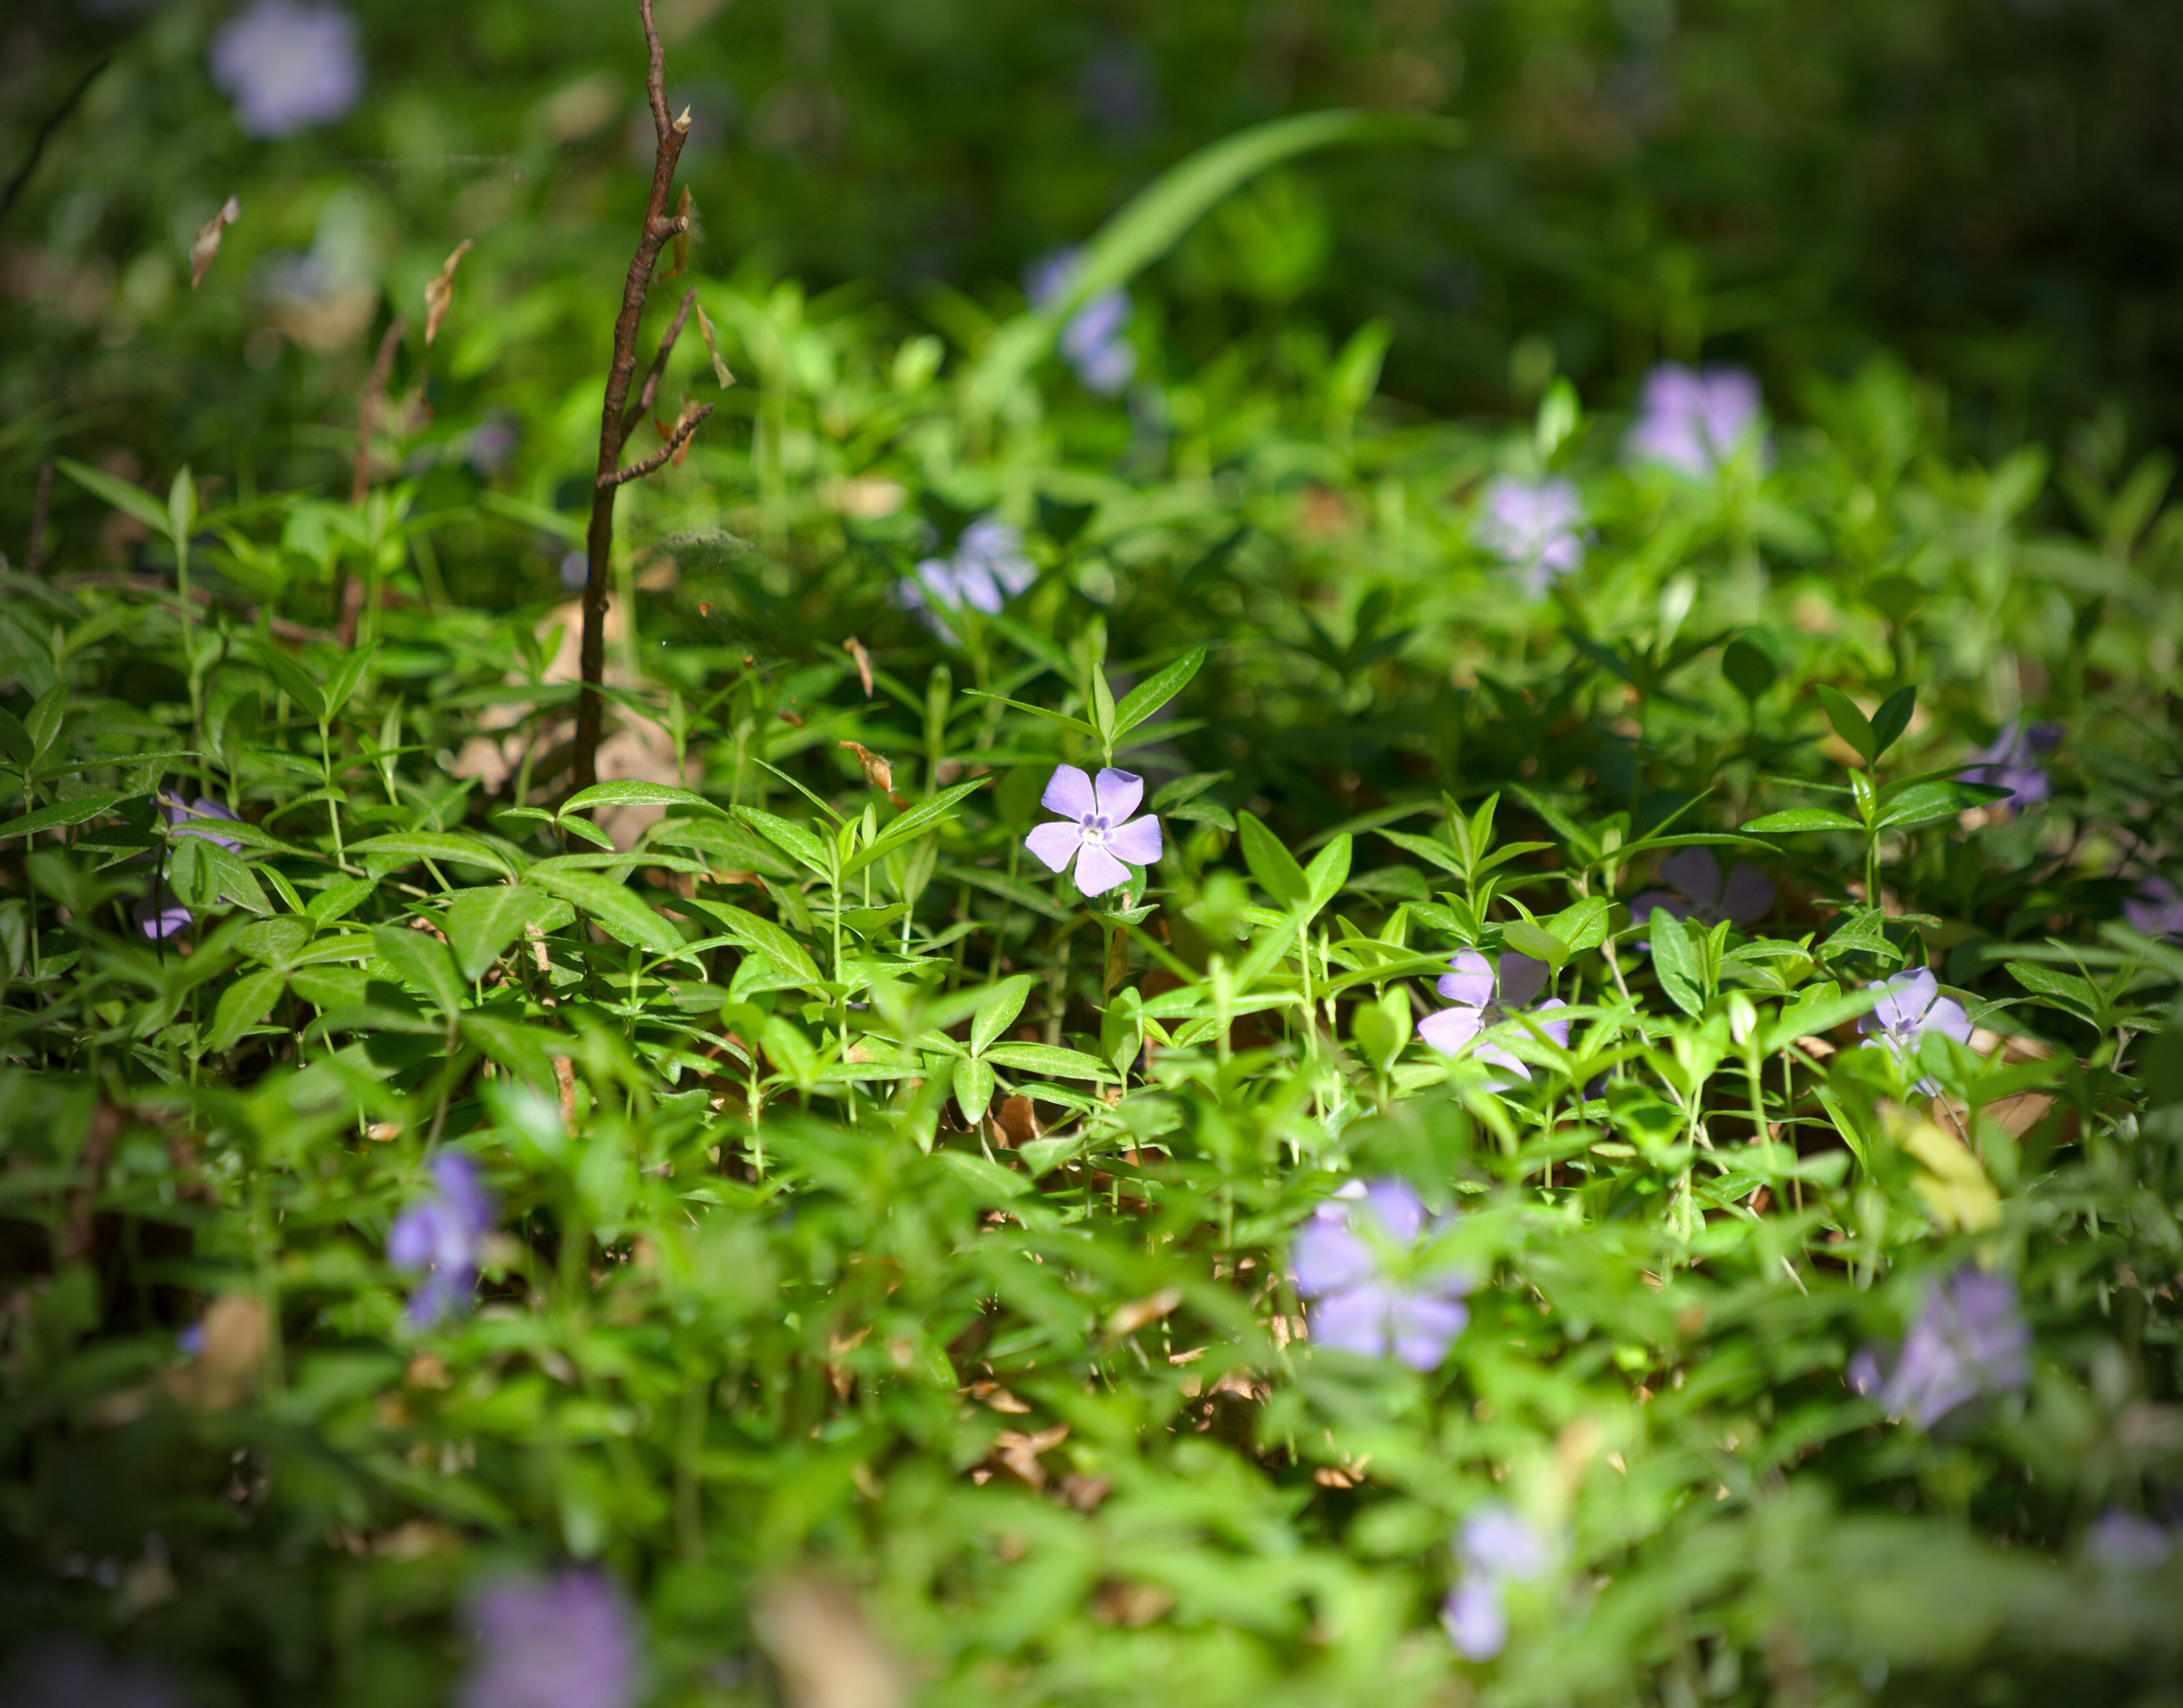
{"x":986,"y":569}
{"x":2156,"y":910}
{"x":1694,"y":420}
{"x":1534,"y":526}
{"x":161,"y":915}
{"x":1497,"y":1546}
{"x":68,"y":1672}
{"x":1970,"y":1340}
{"x":2007,"y":763}
{"x":1368,"y":1297}
{"x":1696,"y":892}
{"x":1474,"y":1619}
{"x":175,"y":812}
{"x":1471,"y":986}
{"x":287,"y":65}
{"x":1096,"y":830}
{"x":442,"y":1234}
{"x":1911,"y":1007}
{"x":2127,"y":1542}
{"x":1092,"y":342}
{"x":567,"y":1641}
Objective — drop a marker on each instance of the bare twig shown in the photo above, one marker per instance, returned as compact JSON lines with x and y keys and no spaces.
{"x":53,"y":122}
{"x":659,"y":459}
{"x":649,"y":391}
{"x":613,"y":430}
{"x":34,"y":559}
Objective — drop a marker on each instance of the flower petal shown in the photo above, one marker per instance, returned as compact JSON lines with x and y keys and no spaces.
{"x":1118,"y":793}
{"x":1449,"y":1029}
{"x":1422,"y":1328}
{"x":1397,"y":1208}
{"x":1558,"y":1030}
{"x":1137,"y":841}
{"x":1054,"y":845}
{"x":1946,"y":1016}
{"x":1498,"y":1058}
{"x":1696,"y":873}
{"x":1328,"y":1257}
{"x":1471,"y":981}
{"x":1068,"y":792}
{"x":1522,"y":979}
{"x":1475,"y":1622}
{"x":1352,"y":1320}
{"x":1097,"y":871}
{"x":1749,"y":895}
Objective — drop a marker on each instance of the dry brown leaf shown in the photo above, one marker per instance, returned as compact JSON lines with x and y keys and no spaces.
{"x":222,"y":1375}
{"x":854,"y":647}
{"x":817,"y":1639}
{"x":1016,"y":1124}
{"x":206,"y":246}
{"x":1129,"y":1318}
{"x":712,"y":348}
{"x":1019,"y":1452}
{"x":439,"y":291}
{"x":877,"y":771}
{"x":1130,"y":1604}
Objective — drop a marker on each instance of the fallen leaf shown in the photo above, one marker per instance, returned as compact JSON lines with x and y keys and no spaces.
{"x":877,"y":771}
{"x":856,"y":650}
{"x":207,"y":246}
{"x":439,"y":291}
{"x":817,"y":1639}
{"x":1129,"y":1318}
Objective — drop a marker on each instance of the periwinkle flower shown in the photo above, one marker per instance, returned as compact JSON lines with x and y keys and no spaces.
{"x":1695,"y":891}
{"x":1359,"y":1272}
{"x":1971,"y":1338}
{"x":987,"y":568}
{"x":1095,"y":829}
{"x":1536,"y":527}
{"x":1483,"y":997}
{"x":163,"y":914}
{"x":1497,"y":1546}
{"x":2009,"y":762}
{"x":1694,"y":419}
{"x":1911,"y":1007}
{"x":2156,"y":910}
{"x":567,"y":1641}
{"x":442,"y":1234}
{"x":1092,"y":342}
{"x":2128,"y":1542}
{"x":178,"y":813}
{"x":288,"y":65}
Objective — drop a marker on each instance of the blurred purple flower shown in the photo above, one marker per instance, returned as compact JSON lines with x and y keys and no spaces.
{"x":1911,"y":1007}
{"x":1096,"y":830}
{"x":567,"y":1641}
{"x":1694,"y":419}
{"x":288,"y":65}
{"x":69,"y":1673}
{"x":1970,"y":1340}
{"x":575,"y":571}
{"x":1367,"y":1299}
{"x":1534,"y":526}
{"x":442,"y":1234}
{"x":1695,"y":891}
{"x":177,"y":812}
{"x":491,"y":443}
{"x":1484,"y":998}
{"x":2128,"y":1542}
{"x":2156,"y":910}
{"x":986,"y":569}
{"x":1497,"y":1546}
{"x":1091,"y":342}
{"x":2007,"y":763}
{"x":161,"y":915}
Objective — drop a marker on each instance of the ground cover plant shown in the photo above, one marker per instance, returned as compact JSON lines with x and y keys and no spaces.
{"x":824,"y":1002}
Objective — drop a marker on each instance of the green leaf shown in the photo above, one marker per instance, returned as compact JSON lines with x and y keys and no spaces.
{"x":1676,"y":963}
{"x":1818,"y":1011}
{"x":1075,"y":724}
{"x":1429,"y":849}
{"x":422,"y":960}
{"x":1147,"y":697}
{"x":1044,"y":1058}
{"x":79,"y":809}
{"x":131,"y":500}
{"x":765,"y":936}
{"x":346,"y":679}
{"x":1583,"y":924}
{"x":1103,"y":706}
{"x":434,"y":845}
{"x":481,"y":923}
{"x":911,"y":824}
{"x":1923,"y":803}
{"x":1850,"y":723}
{"x":232,"y":879}
{"x":527,"y":1052}
{"x":296,"y":682}
{"x":1327,"y":873}
{"x":994,"y":1182}
{"x":806,"y":848}
{"x":2063,"y":987}
{"x":16,"y":740}
{"x":634,"y":794}
{"x":1750,"y":667}
{"x":974,"y":1088}
{"x":1005,"y":1001}
{"x":614,"y":908}
{"x":1798,"y":820}
{"x":242,"y":1005}
{"x":1272,"y":865}
{"x":1891,"y":719}
{"x":1536,"y":941}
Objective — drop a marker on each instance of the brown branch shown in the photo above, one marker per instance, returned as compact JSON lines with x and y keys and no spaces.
{"x":34,"y":559}
{"x":367,"y":412}
{"x":659,"y":459}
{"x":658,"y":227}
{"x":650,"y":390}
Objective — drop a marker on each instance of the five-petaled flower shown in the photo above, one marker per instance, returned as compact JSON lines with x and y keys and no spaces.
{"x":1910,"y":1006}
{"x":1497,"y":1546}
{"x":1096,"y":830}
{"x":2009,"y":762}
{"x":987,"y":568}
{"x":1483,"y":998}
{"x":1695,"y":891}
{"x":1091,"y":342}
{"x":1694,"y":419}
{"x":2156,"y":910}
{"x":1970,"y":1340}
{"x":567,"y":1641}
{"x":1534,"y":526}
{"x":442,"y":1234}
{"x":287,"y":65}
{"x":1361,"y":1272}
